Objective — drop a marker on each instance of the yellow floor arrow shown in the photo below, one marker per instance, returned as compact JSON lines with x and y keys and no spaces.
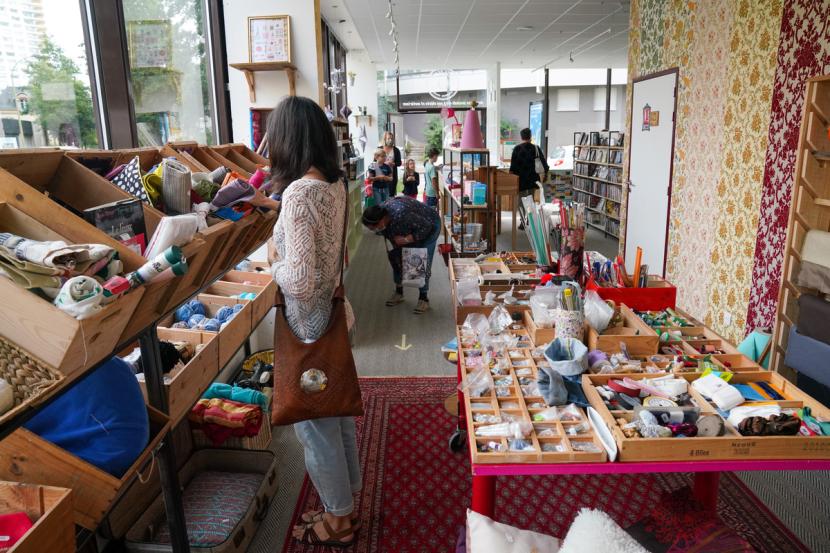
{"x":404,"y":346}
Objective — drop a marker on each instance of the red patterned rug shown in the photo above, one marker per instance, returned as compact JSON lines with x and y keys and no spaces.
{"x":416,"y":491}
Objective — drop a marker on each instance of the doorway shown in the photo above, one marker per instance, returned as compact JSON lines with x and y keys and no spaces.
{"x":651,"y":158}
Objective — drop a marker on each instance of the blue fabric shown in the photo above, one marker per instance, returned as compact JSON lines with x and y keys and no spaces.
{"x":809,"y":357}
{"x":754,"y":344}
{"x":235,"y":393}
{"x":102,"y":419}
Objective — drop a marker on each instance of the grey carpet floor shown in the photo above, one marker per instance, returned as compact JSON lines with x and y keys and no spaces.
{"x":800,"y":499}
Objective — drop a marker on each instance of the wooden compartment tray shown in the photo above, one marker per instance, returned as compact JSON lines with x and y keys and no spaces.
{"x":184,"y":385}
{"x":540,"y":336}
{"x":707,"y":337}
{"x":262,"y":284}
{"x":639,"y":338}
{"x":732,"y":445}
{"x":234,"y":334}
{"x":26,"y":457}
{"x":219,"y":154}
{"x":36,"y":325}
{"x":50,"y":510}
{"x":517,"y":403}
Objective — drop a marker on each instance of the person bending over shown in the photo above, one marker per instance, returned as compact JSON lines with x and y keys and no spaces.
{"x":406,"y":223}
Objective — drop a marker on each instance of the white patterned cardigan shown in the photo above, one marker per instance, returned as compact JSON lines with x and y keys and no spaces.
{"x":308,"y":238}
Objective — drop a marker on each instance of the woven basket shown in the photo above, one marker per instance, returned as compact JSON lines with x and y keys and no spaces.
{"x":259,"y":442}
{"x":30,"y":378}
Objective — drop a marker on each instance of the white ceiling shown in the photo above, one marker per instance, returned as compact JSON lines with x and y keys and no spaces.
{"x":474,"y":33}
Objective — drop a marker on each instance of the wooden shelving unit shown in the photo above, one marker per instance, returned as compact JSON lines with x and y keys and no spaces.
{"x":465,"y":166}
{"x":597,"y":178}
{"x":809,"y":210}
{"x":251,"y":69}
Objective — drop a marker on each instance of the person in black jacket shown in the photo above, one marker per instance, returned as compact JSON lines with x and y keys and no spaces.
{"x":523,"y":164}
{"x":410,"y":180}
{"x":393,"y":160}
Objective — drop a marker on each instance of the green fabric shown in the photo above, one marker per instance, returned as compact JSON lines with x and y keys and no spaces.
{"x":753,"y":345}
{"x":429,"y":174}
{"x":234,"y":393}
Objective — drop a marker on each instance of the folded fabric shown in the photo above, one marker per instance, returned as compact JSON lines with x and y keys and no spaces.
{"x":80,"y":297}
{"x":57,"y":255}
{"x":815,"y":261}
{"x":234,"y":192}
{"x":218,"y":174}
{"x":202,"y":184}
{"x":175,"y":178}
{"x":176,"y":230}
{"x":753,"y":346}
{"x":808,"y":356}
{"x":813,"y":317}
{"x":228,"y":413}
{"x":102,"y":419}
{"x":129,"y":180}
{"x":234,"y":213}
{"x":235,"y":393}
{"x":13,"y":526}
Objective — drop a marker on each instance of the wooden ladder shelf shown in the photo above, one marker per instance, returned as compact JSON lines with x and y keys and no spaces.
{"x":810,"y":209}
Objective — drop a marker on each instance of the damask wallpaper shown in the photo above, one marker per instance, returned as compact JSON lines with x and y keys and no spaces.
{"x":738,"y":112}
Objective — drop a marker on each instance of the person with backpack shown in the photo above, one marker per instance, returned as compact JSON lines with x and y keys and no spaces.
{"x":529,"y":163}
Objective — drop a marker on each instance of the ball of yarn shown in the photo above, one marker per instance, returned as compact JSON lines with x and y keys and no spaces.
{"x":247,"y":296}
{"x":211,"y":325}
{"x":180,"y":324}
{"x":196,"y":307}
{"x":195,"y":321}
{"x":238,"y":307}
{"x":184,"y":313}
{"x":224,"y":313}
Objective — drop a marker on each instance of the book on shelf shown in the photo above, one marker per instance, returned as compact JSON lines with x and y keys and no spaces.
{"x":122,"y":220}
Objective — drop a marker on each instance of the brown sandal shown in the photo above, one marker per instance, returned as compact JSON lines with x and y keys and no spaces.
{"x":310,"y":536}
{"x":317,"y":516}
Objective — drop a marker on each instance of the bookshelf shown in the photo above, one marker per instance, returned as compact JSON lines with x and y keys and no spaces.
{"x":597,"y":178}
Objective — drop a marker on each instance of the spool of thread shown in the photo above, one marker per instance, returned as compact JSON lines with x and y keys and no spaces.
{"x":155,"y":266}
{"x":727,"y":398}
{"x":175,"y":270}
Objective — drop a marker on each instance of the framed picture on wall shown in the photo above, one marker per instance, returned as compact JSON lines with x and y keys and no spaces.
{"x":269,"y":39}
{"x":150,"y":43}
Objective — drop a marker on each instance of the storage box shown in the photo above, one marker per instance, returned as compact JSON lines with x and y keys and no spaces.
{"x":540,"y":336}
{"x":35,"y":324}
{"x":263,"y":285}
{"x":142,"y":536}
{"x":185,"y":385}
{"x":730,"y":446}
{"x":659,"y":294}
{"x":26,"y":457}
{"x":49,"y":509}
{"x":638,"y":337}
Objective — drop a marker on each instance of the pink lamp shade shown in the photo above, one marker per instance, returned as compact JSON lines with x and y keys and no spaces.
{"x":471,"y":133}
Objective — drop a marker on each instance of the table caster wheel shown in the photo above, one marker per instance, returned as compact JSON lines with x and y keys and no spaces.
{"x":458,"y":440}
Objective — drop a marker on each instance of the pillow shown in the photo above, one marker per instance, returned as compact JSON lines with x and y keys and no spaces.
{"x":594,"y":531}
{"x":484,"y":535}
{"x":678,"y":523}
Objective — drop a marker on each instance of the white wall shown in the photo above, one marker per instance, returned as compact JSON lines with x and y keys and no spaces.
{"x":364,"y":92}
{"x":562,"y":124}
{"x":271,"y":87}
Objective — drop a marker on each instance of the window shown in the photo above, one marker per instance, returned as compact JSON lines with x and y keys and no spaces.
{"x":567,"y":99}
{"x":599,"y":98}
{"x":170,"y":71}
{"x":45,"y":92}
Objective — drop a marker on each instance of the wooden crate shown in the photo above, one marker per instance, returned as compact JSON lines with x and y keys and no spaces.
{"x":540,"y":336}
{"x":706,"y":337}
{"x":26,"y":457}
{"x":185,"y":385}
{"x":244,"y":151}
{"x":638,"y":337}
{"x":519,"y":405}
{"x":730,"y":446}
{"x":182,"y":152}
{"x":234,"y":283}
{"x":37,"y":326}
{"x":234,"y":334}
{"x":49,"y":509}
{"x":218,"y":153}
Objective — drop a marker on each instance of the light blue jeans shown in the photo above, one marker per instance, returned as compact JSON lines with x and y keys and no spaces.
{"x":380,"y":194}
{"x":332,"y":461}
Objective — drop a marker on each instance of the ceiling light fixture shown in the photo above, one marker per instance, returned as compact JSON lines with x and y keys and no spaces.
{"x":393,"y":32}
{"x":571,"y":57}
{"x":524,"y":28}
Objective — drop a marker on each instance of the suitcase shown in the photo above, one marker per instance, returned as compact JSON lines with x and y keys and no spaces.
{"x":226,"y":495}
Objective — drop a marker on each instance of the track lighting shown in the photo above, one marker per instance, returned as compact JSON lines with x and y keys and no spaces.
{"x":571,"y":57}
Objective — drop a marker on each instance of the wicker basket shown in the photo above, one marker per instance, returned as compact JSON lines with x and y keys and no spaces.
{"x":31,"y":379}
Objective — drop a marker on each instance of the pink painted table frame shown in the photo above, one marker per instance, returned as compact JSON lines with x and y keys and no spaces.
{"x":707,"y":473}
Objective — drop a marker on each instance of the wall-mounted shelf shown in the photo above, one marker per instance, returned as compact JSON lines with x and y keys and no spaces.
{"x":250,"y":70}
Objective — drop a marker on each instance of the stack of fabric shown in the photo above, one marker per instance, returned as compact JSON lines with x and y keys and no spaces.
{"x":227,"y":411}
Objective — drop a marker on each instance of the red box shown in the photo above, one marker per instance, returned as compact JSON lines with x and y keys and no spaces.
{"x":660,"y":294}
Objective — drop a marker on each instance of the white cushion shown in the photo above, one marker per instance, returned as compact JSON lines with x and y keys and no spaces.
{"x":485,"y":535}
{"x":594,"y":531}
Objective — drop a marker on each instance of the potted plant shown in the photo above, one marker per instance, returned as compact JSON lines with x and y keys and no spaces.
{"x":506,"y":129}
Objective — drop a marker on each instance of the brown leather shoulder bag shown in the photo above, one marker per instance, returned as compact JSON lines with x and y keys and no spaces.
{"x":317,"y":380}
